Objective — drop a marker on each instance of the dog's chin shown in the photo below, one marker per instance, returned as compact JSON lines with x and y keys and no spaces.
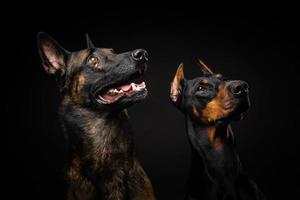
{"x":231,"y":117}
{"x":133,"y":98}
{"x":238,"y":114}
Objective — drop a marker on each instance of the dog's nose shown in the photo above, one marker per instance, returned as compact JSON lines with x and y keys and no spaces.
{"x":239,"y":88}
{"x":140,"y":55}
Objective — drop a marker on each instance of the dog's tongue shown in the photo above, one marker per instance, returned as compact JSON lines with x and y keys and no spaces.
{"x":125,"y":88}
{"x":109,"y":97}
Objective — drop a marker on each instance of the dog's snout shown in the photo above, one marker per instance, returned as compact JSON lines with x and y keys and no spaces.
{"x":140,"y":55}
{"x":239,"y":88}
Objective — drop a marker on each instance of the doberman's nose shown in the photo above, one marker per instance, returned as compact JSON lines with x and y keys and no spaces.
{"x":140,"y":55}
{"x":239,"y":88}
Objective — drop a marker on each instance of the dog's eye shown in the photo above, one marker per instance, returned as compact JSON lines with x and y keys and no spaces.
{"x":93,"y":60}
{"x":200,"y":88}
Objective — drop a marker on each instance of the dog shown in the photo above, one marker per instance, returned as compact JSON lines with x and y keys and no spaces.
{"x":97,"y":85}
{"x":209,"y":104}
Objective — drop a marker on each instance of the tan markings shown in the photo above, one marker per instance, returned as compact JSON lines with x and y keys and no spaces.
{"x":107,"y":51}
{"x":204,"y":66}
{"x":219,"y":107}
{"x":81,"y":56}
{"x":77,"y":59}
{"x":140,"y":186}
{"x":77,"y":88}
{"x":77,"y":179}
{"x":219,"y":76}
{"x":195,"y":111}
{"x":81,"y":82}
{"x":204,"y":81}
{"x":215,"y":141}
{"x":176,"y":84}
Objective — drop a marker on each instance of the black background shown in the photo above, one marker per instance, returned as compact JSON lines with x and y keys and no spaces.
{"x":258,"y":47}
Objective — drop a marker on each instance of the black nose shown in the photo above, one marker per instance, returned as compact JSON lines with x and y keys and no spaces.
{"x":239,"y":88}
{"x":140,"y":55}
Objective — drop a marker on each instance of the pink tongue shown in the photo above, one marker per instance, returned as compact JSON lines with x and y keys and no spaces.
{"x":109,"y":97}
{"x":125,"y":88}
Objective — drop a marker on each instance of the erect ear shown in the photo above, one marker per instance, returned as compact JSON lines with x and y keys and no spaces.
{"x":52,"y":54}
{"x":89,"y":42}
{"x":205,"y":69}
{"x":177,"y":85}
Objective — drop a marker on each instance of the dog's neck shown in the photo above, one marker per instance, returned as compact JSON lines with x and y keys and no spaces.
{"x":97,"y":138}
{"x":214,"y":158}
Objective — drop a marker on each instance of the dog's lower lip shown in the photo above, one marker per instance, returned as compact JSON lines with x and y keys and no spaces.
{"x":114,"y":94}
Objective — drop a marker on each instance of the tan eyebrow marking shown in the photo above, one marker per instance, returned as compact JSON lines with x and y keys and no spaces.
{"x":204,"y":81}
{"x":218,"y":76}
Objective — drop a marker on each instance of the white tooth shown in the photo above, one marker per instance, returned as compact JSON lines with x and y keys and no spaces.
{"x":121,"y":91}
{"x":115,"y":91}
{"x":133,"y":86}
{"x":110,"y":91}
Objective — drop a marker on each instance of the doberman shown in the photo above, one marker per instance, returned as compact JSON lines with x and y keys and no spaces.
{"x":209,"y":103}
{"x":97,"y":85}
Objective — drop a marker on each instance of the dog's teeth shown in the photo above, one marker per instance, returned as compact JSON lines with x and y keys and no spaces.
{"x":111,"y":91}
{"x":141,"y":86}
{"x":133,"y":86}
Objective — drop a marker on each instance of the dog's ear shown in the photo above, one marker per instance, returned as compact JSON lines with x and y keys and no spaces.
{"x":52,"y":54}
{"x":177,"y":85}
{"x":89,"y":42}
{"x":205,"y":69}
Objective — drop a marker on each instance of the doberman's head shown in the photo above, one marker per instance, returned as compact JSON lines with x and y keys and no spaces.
{"x":95,"y":77}
{"x":209,"y":99}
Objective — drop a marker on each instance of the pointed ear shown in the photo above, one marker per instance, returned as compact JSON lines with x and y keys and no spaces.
{"x":89,"y":42}
{"x":177,"y":85}
{"x":205,"y":69}
{"x":52,"y":54}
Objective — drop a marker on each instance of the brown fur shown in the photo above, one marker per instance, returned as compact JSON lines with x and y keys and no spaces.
{"x":218,"y":107}
{"x":107,"y":153}
{"x":101,"y":162}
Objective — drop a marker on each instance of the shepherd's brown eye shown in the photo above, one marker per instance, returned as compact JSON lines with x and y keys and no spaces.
{"x":93,"y":60}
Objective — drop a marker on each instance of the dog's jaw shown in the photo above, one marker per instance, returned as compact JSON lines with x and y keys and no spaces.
{"x":127,"y":90}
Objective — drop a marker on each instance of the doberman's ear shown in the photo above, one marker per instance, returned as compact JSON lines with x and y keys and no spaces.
{"x":205,"y":69}
{"x":52,"y":54}
{"x":177,"y":85}
{"x":89,"y":42}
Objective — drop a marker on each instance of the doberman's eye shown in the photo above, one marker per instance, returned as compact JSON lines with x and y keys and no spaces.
{"x":200,"y":88}
{"x":93,"y":61}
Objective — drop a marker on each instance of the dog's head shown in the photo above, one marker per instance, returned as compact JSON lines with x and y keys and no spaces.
{"x":95,"y":77}
{"x":209,"y":98}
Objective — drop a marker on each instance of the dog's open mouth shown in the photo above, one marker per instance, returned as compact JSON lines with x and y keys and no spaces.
{"x":126,"y":88}
{"x":113,"y":94}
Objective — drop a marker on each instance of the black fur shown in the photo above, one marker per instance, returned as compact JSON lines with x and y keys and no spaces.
{"x":102,"y":163}
{"x":209,"y":103}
